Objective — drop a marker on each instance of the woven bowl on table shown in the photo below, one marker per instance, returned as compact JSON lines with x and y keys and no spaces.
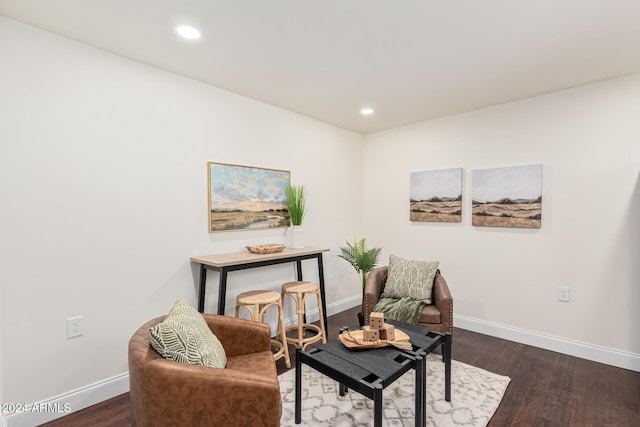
{"x":269,"y":248}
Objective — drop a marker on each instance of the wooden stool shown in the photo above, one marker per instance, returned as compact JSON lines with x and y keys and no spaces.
{"x":256,"y":303}
{"x":300,"y":291}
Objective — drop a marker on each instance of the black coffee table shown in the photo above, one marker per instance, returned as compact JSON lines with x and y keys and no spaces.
{"x":370,"y":371}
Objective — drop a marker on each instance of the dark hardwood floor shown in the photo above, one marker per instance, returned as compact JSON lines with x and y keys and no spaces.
{"x":546,"y":389}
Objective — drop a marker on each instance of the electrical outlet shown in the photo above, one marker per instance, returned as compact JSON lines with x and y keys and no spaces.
{"x":74,"y":326}
{"x":563,"y":293}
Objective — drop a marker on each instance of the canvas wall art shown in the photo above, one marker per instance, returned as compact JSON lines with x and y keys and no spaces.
{"x":507,"y":197}
{"x":436,"y":196}
{"x":245,"y":197}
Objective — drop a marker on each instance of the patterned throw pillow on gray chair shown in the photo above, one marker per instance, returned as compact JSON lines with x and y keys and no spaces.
{"x":409,"y":278}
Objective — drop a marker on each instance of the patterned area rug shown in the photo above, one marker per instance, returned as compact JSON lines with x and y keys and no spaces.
{"x":475,"y":396}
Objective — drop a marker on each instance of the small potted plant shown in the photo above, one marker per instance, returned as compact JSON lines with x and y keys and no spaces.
{"x":362,"y":259}
{"x":296,"y":205}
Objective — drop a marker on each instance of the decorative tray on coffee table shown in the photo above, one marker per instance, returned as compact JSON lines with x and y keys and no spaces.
{"x":376,"y":334}
{"x":353,"y":340}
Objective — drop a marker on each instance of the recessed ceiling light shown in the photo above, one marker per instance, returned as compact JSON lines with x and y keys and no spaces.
{"x":366,"y":111}
{"x":188,"y":32}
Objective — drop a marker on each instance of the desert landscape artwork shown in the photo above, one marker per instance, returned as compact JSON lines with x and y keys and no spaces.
{"x":244,"y":197}
{"x":507,"y":197}
{"x":436,"y":196}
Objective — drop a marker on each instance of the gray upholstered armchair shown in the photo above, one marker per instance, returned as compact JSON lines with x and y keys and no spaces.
{"x":436,"y":317}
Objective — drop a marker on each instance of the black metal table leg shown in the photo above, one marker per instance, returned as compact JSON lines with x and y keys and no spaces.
{"x":377,"y":405}
{"x":299,"y":270}
{"x":342,"y":389}
{"x":447,"y":367}
{"x":298,"y":409}
{"x":203,"y":288}
{"x":299,"y":277}
{"x":321,"y":280}
{"x":421,"y":390}
{"x":222,"y":291}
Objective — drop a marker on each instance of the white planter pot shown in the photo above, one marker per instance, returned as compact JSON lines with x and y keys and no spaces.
{"x":297,"y":237}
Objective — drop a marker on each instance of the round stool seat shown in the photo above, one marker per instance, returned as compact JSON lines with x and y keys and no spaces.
{"x":256,"y":303}
{"x":300,"y":291}
{"x":304,"y":287}
{"x":258,"y":297}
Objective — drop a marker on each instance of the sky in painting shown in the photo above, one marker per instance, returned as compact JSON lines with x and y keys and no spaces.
{"x":436,"y":183}
{"x":518,"y":182}
{"x":247,"y":188}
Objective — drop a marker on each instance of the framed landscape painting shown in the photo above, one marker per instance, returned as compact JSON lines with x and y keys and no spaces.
{"x":507,"y":197}
{"x":246,"y":197}
{"x":436,"y":196}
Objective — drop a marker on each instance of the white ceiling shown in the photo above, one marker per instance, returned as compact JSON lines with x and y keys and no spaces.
{"x":410,"y":60}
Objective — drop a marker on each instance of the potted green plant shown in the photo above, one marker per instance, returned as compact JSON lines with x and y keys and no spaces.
{"x":362,"y":259}
{"x":297,"y":207}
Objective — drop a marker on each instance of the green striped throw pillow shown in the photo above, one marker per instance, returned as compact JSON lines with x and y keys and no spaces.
{"x":184,"y":336}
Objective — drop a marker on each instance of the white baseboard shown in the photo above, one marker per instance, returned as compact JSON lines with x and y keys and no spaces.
{"x":334,"y":308}
{"x":582,"y":350}
{"x":56,"y":407}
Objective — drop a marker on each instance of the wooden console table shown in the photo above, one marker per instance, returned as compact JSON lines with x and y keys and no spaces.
{"x":224,"y":263}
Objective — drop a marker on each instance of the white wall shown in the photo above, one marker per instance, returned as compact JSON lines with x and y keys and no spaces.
{"x":1,"y":331}
{"x":504,"y":279}
{"x":103,"y":172}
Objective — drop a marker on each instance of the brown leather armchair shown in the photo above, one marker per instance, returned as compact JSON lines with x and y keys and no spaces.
{"x":436,"y":317}
{"x":244,"y":393}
